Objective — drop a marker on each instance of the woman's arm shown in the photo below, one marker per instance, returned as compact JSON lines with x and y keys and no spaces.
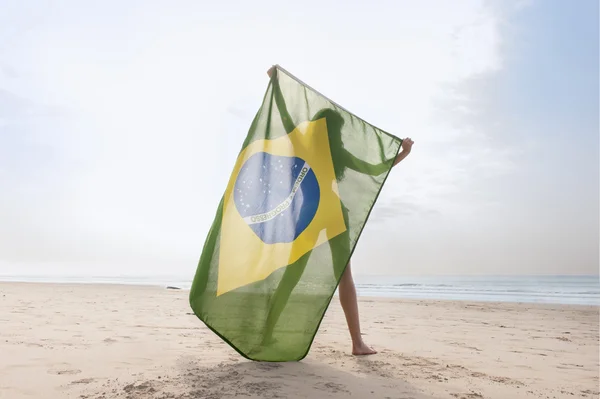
{"x":407,"y":144}
{"x":375,"y":170}
{"x":352,"y":162}
{"x":288,"y":123}
{"x":364,"y":167}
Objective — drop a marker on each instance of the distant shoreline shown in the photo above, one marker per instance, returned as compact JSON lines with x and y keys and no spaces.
{"x":363,"y":298}
{"x":411,"y":292}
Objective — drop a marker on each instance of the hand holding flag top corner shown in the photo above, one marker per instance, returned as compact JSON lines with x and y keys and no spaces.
{"x":308,"y":174}
{"x":407,"y":142}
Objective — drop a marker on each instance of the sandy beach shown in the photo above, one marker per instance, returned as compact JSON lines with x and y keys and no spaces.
{"x":110,"y":341}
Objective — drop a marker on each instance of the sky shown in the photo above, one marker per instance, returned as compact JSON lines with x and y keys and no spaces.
{"x":120,"y":123}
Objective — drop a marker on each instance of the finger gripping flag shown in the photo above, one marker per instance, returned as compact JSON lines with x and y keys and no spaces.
{"x":301,"y":190}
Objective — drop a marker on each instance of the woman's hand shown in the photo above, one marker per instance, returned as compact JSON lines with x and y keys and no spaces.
{"x":407,"y":144}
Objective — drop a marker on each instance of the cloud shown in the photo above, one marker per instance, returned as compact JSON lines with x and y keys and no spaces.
{"x":396,"y":209}
{"x":155,"y":110}
{"x":460,"y":148}
{"x":511,"y":199}
{"x":6,"y":71}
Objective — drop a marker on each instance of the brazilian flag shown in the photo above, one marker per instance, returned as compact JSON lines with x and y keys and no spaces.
{"x":299,"y":195}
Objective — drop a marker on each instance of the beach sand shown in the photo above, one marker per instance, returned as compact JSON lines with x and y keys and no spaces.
{"x":103,"y":341}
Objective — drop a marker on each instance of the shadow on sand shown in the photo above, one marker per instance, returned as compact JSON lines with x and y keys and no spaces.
{"x":306,"y":379}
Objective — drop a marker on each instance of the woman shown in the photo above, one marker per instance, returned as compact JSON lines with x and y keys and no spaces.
{"x":342,"y":159}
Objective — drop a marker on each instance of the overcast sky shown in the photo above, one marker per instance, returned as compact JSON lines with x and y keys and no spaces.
{"x":120,"y":122}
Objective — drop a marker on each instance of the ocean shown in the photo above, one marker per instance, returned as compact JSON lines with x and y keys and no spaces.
{"x":568,"y":290}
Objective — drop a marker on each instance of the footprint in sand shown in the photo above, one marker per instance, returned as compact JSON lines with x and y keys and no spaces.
{"x":470,"y":395}
{"x":83,"y":381}
{"x":331,"y":387}
{"x":267,"y":366}
{"x":64,"y":372}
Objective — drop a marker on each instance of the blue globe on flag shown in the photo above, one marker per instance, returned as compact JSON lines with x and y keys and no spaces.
{"x":277,"y":196}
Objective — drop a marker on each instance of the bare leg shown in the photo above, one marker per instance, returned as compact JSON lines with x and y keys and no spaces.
{"x":289,"y":280}
{"x":350,"y":306}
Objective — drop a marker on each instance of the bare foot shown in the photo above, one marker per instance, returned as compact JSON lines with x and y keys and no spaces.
{"x":362,"y":349}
